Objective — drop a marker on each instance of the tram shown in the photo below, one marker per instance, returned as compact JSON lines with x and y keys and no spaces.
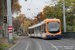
{"x":48,"y":28}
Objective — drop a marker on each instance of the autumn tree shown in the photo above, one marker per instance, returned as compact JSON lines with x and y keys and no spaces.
{"x":70,"y":11}
{"x":18,"y":22}
{"x":3,"y":6}
{"x":26,"y":25}
{"x":57,"y":12}
{"x":15,"y":6}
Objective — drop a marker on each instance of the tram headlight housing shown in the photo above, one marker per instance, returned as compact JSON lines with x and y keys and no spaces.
{"x":47,"y":34}
{"x":60,"y":34}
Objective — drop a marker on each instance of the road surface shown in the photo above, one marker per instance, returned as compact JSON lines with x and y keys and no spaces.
{"x":27,"y":43}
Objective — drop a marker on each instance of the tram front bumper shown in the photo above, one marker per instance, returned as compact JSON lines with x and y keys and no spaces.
{"x":53,"y":36}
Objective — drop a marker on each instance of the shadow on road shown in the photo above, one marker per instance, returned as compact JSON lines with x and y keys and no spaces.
{"x":45,"y":39}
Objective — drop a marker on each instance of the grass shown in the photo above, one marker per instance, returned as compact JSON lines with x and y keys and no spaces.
{"x":5,"y":45}
{"x":3,"y":38}
{"x":14,"y":39}
{"x":2,"y":46}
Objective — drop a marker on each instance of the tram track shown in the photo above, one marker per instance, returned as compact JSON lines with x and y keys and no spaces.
{"x":41,"y":41}
{"x":58,"y":44}
{"x":27,"y":43}
{"x":64,"y":44}
{"x":69,"y":40}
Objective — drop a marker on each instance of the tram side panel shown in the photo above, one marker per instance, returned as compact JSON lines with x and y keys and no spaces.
{"x":35,"y":34}
{"x":43,"y":31}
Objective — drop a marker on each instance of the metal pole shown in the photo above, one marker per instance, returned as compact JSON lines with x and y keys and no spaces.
{"x":46,"y":12}
{"x":23,"y":27}
{"x":6,"y":30}
{"x":10,"y":38}
{"x":64,"y":18}
{"x":38,"y":18}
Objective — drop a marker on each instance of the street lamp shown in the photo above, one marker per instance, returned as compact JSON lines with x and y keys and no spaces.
{"x":38,"y":18}
{"x":64,"y":18}
{"x":46,"y":10}
{"x":23,"y":28}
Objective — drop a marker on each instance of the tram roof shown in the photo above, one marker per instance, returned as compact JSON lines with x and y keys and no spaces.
{"x":39,"y":24}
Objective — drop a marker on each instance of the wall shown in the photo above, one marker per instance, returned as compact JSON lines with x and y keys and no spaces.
{"x":68,"y":34}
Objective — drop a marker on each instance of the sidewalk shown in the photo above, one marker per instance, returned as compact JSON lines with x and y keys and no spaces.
{"x":4,"y":43}
{"x":7,"y":48}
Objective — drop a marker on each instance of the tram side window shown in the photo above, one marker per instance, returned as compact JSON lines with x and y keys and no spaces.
{"x":29,"y":31}
{"x":39,"y":29}
{"x":44,"y":28}
{"x":32,"y":30}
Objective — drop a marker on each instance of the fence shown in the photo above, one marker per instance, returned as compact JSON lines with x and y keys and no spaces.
{"x":68,"y":34}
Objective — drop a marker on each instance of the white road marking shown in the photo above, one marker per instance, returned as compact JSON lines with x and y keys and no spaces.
{"x":52,"y":45}
{"x":13,"y":46}
{"x":39,"y":44}
{"x":27,"y":46}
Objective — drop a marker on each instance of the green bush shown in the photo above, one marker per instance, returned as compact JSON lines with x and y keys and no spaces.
{"x":14,"y":39}
{"x":70,"y":28}
{"x":16,"y":32}
{"x":24,"y":34}
{"x":73,"y":28}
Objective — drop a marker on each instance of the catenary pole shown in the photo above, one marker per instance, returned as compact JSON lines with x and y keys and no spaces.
{"x":64,"y":18}
{"x":23,"y":28}
{"x":10,"y":38}
{"x":38,"y":18}
{"x":46,"y":11}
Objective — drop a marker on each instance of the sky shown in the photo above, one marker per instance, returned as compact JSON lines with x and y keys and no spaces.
{"x":35,"y":7}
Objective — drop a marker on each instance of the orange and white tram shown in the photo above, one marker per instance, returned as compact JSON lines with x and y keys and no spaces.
{"x":49,"y":28}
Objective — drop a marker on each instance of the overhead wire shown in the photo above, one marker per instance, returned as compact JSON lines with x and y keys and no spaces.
{"x":28,"y":6}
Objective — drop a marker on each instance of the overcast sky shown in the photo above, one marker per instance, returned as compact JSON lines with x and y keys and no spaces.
{"x":35,"y":7}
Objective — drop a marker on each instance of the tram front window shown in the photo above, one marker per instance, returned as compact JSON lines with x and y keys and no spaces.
{"x":53,"y":27}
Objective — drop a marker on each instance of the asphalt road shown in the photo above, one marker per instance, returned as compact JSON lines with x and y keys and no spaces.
{"x":27,"y":43}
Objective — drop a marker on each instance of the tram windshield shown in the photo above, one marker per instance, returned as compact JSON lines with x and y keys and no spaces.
{"x":53,"y":27}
